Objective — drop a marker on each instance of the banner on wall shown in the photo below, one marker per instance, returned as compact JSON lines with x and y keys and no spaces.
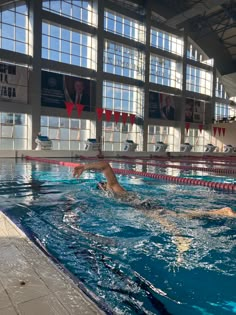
{"x":58,"y":89}
{"x":161,"y":106}
{"x":13,"y":83}
{"x":194,"y":110}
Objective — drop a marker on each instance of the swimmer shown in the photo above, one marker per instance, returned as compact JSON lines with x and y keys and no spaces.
{"x":114,"y":189}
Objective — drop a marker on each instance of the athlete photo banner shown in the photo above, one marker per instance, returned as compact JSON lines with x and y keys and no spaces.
{"x":57,"y":88}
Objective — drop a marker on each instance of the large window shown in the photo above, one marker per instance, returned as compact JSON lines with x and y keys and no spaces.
{"x":13,"y":131}
{"x":124,"y":26}
{"x":122,"y":97}
{"x":79,"y":10}
{"x":193,"y":53}
{"x":220,"y":90}
{"x":114,"y":136}
{"x":198,"y":139}
{"x":199,"y":80}
{"x":165,"y":72}
{"x":165,"y":134}
{"x":68,"y":46}
{"x":14,"y":26}
{"x":67,"y":133}
{"x":166,"y":41}
{"x":123,"y":60}
{"x":224,"y":110}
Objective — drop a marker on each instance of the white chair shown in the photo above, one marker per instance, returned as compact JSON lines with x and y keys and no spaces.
{"x":210,"y":148}
{"x":229,"y":149}
{"x":160,"y":146}
{"x":130,"y":146}
{"x":43,"y":143}
{"x":185,"y":147}
{"x":91,"y":145}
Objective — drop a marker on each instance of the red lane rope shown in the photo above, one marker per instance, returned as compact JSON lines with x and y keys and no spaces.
{"x":192,"y":159}
{"x":181,"y":167}
{"x":177,"y":180}
{"x":220,"y":163}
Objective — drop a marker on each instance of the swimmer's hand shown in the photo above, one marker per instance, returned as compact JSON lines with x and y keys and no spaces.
{"x":78,"y":170}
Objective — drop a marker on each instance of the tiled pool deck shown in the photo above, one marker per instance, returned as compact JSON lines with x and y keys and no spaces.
{"x":31,"y":284}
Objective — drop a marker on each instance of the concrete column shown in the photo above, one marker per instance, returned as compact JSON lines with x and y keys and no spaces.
{"x":183,"y":95}
{"x":211,"y":112}
{"x":35,"y":15}
{"x":148,"y":6}
{"x":99,"y":76}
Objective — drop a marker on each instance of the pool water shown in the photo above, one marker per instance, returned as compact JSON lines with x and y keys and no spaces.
{"x":128,"y":257}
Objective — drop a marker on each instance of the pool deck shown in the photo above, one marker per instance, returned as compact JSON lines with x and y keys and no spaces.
{"x":31,"y":284}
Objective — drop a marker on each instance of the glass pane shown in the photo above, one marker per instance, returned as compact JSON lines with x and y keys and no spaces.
{"x":20,"y":119}
{"x":53,"y":133}
{"x":64,"y":134}
{"x":74,"y":134}
{"x":20,"y":144}
{"x":6,"y":144}
{"x":53,"y":121}
{"x":7,"y":131}
{"x":20,"y":132}
{"x":44,"y":121}
{"x":64,"y":122}
{"x":75,"y":123}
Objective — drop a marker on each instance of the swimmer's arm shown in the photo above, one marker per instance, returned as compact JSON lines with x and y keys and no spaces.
{"x":103,"y":167}
{"x":182,"y":243}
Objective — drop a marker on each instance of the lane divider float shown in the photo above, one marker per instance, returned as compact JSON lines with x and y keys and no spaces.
{"x":181,"y":167}
{"x":178,"y":180}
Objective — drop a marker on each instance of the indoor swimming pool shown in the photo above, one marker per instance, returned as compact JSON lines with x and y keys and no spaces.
{"x":135,"y":261}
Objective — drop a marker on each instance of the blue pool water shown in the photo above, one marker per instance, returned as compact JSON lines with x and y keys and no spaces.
{"x":128,"y":258}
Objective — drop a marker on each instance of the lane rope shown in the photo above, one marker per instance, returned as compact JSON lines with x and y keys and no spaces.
{"x":178,"y":180}
{"x":181,"y":167}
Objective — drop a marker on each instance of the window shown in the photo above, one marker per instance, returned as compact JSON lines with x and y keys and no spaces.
{"x":166,"y":41}
{"x":13,"y":131}
{"x":67,"y":133}
{"x":114,"y":135}
{"x":79,"y":10}
{"x":124,"y":26}
{"x":168,"y":135}
{"x":68,"y":46}
{"x":223,"y":110}
{"x":122,"y":97}
{"x":199,"y":80}
{"x":220,"y":90}
{"x":194,"y":53}
{"x":123,"y":60}
{"x":165,"y":72}
{"x":14,"y":27}
{"x":198,"y":139}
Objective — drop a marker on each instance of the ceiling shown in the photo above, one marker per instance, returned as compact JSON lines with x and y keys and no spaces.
{"x":212,"y":26}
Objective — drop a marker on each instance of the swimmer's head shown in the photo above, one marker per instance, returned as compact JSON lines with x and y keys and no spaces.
{"x":102,"y":186}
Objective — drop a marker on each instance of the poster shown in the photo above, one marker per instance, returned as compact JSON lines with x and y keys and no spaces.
{"x":13,"y":83}
{"x":194,"y":110}
{"x":167,"y":107}
{"x":161,"y":106}
{"x":58,"y":88}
